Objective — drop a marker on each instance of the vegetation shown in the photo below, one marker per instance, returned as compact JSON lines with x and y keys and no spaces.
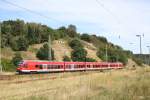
{"x":16,"y":59}
{"x":75,"y":44}
{"x":66,"y":58}
{"x":18,"y":35}
{"x":113,"y":55}
{"x":8,"y":65}
{"x":90,"y":60}
{"x":86,"y":37}
{"x":43,"y":53}
{"x":79,"y":54}
{"x":108,"y":85}
{"x":137,"y":60}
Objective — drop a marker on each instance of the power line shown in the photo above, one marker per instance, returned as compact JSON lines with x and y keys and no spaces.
{"x":31,"y":11}
{"x":106,"y":9}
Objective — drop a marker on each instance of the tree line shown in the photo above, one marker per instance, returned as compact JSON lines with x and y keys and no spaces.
{"x":18,"y":35}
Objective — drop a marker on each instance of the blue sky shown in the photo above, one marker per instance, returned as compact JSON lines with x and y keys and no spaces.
{"x":110,"y":18}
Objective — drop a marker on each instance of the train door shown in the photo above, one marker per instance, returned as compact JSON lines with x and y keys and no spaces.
{"x":72,"y":66}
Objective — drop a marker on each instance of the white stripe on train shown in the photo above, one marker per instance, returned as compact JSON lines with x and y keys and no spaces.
{"x":73,"y":69}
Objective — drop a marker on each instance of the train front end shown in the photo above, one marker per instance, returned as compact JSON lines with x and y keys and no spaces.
{"x":22,"y":66}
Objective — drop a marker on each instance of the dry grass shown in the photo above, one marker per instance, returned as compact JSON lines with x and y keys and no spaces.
{"x":61,"y":48}
{"x":111,"y":85}
{"x":7,"y":53}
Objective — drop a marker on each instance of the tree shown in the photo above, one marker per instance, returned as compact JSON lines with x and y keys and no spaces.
{"x":102,"y":39}
{"x":19,"y":44}
{"x":113,"y":55}
{"x":43,"y":53}
{"x":16,"y":59}
{"x":86,"y":37}
{"x":66,"y":58}
{"x":75,"y":43}
{"x":79,"y":54}
{"x":72,"y":31}
{"x":22,"y":44}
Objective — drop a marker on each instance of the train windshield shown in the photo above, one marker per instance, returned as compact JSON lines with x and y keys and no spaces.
{"x":22,"y":64}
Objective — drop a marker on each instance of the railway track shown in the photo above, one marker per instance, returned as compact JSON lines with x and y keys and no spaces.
{"x":18,"y":79}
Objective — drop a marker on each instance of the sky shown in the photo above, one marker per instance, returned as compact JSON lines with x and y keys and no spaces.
{"x":117,"y":20}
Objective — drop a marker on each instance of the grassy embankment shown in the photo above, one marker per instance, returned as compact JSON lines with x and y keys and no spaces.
{"x":111,"y":85}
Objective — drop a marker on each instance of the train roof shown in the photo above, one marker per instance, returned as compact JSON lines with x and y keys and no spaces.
{"x":48,"y":62}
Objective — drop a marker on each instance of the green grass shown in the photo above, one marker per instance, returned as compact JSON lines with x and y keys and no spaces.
{"x":8,"y":65}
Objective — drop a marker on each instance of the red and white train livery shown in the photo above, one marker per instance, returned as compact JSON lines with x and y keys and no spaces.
{"x":30,"y":66}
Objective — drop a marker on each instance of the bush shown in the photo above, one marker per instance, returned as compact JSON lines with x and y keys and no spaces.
{"x":16,"y":59}
{"x":86,"y":37}
{"x":75,"y":43}
{"x":90,"y":60}
{"x":66,"y":58}
{"x":7,"y":65}
{"x":102,"y":39}
{"x":71,"y":31}
{"x":79,"y":54}
{"x":113,"y":55}
{"x":20,"y":44}
{"x":137,"y":61}
{"x":43,"y":53}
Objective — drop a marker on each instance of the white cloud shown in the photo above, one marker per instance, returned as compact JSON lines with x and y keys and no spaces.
{"x":133,"y":16}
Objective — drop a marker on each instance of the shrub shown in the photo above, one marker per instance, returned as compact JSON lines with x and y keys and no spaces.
{"x":16,"y":59}
{"x":86,"y":37}
{"x":137,"y":61}
{"x":113,"y":55}
{"x":66,"y":58}
{"x":79,"y":54}
{"x":22,"y":44}
{"x":102,"y":39}
{"x":43,"y":53}
{"x":71,"y":31}
{"x":90,"y":60}
{"x":75,"y":44}
{"x":8,"y":65}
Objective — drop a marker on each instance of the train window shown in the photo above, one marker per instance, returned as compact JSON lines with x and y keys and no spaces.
{"x":55,"y":67}
{"x":88,"y":66}
{"x":41,"y":67}
{"x":82,"y":66}
{"x":68,"y":66}
{"x":58,"y":66}
{"x":48,"y":66}
{"x":75,"y":66}
{"x":61,"y":66}
{"x":97,"y":66}
{"x":36,"y":66}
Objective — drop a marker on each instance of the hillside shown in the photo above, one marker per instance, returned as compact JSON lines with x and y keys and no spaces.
{"x":30,"y":39}
{"x":60,"y":47}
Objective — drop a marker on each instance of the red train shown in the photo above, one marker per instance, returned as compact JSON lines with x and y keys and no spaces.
{"x":30,"y":66}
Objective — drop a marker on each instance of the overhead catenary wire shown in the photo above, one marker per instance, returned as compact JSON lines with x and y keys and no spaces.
{"x":31,"y":11}
{"x":107,"y":10}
